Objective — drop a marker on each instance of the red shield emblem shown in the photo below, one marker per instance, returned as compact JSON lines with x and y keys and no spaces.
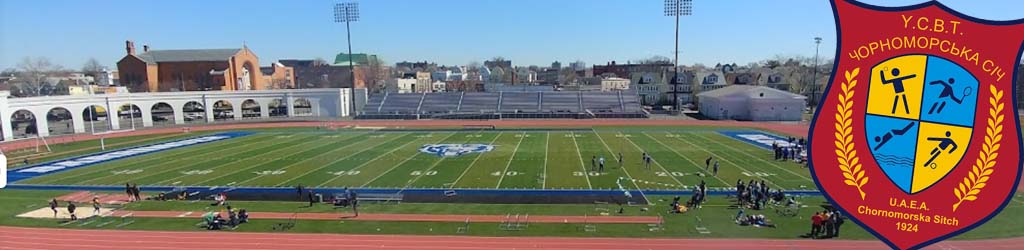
{"x":917,"y":137}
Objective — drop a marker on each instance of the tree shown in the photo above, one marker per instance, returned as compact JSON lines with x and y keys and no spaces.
{"x":319,"y":61}
{"x":375,"y":73}
{"x":568,"y":77}
{"x":473,"y":67}
{"x":33,"y":73}
{"x":92,"y":68}
{"x":655,"y":60}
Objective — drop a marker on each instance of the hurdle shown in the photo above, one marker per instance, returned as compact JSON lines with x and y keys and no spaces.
{"x":587,"y":226}
{"x":285,"y":226}
{"x":504,"y":222}
{"x":464,"y":228}
{"x":518,"y":222}
{"x":659,"y":226}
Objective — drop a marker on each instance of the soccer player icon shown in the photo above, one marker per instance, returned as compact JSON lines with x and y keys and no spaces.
{"x":947,"y":92}
{"x":897,"y":86}
{"x":944,"y":142}
{"x":881,"y":140}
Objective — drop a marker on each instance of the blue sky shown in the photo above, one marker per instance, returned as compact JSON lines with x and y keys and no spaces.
{"x":444,"y":31}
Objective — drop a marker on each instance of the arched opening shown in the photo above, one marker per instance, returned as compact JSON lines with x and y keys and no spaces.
{"x":244,"y":81}
{"x":251,"y":109}
{"x":277,"y":108}
{"x":59,"y":121}
{"x":162,"y":114}
{"x":96,"y":119}
{"x":23,"y":122}
{"x":194,"y":112}
{"x":129,"y":116}
{"x":223,"y":110}
{"x":303,"y":107}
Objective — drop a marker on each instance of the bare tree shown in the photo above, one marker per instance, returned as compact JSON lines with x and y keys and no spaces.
{"x":92,"y":67}
{"x":655,"y":60}
{"x":319,"y":61}
{"x":473,"y":67}
{"x":33,"y":73}
{"x":375,"y":73}
{"x":568,"y":76}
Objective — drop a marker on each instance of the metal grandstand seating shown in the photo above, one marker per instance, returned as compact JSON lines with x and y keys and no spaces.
{"x":503,"y":105}
{"x":561,"y":102}
{"x":441,"y":103}
{"x":519,"y":102}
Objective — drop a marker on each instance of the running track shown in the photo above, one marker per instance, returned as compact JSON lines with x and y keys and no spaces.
{"x":44,"y":238}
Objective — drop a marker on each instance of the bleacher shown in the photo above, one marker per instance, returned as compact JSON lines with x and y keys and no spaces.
{"x":441,"y":103}
{"x":503,"y":105}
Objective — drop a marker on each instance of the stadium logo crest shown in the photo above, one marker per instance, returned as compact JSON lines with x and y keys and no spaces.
{"x":917,"y":136}
{"x":449,"y":150}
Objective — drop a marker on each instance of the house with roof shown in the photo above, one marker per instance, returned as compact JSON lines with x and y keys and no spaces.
{"x":751,"y":103}
{"x":189,"y":69}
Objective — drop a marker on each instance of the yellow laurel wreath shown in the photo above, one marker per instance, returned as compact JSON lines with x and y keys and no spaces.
{"x":975,"y":180}
{"x":847,"y":155}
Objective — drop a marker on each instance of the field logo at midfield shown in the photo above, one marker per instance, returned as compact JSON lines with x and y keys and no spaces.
{"x":916,"y":136}
{"x":449,"y":150}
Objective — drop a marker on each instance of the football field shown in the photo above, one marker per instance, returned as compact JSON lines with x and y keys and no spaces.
{"x":519,"y":159}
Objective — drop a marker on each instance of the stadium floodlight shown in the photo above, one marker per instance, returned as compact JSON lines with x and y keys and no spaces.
{"x":677,"y":8}
{"x":348,"y":13}
{"x":814,"y":77}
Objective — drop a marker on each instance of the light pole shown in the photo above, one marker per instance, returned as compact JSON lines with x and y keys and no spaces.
{"x":814,"y":77}
{"x":677,"y":8}
{"x":348,"y":13}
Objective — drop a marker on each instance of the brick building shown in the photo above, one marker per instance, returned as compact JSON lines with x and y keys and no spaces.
{"x":278,"y":76}
{"x":190,"y":70}
{"x":313,"y":74}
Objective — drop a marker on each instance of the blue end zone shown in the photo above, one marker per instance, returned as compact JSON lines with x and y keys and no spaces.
{"x":57,"y":166}
{"x":757,"y":138}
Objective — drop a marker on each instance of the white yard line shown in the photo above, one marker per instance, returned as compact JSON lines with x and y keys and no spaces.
{"x":509,"y":163}
{"x":586,"y":174}
{"x":478,"y":156}
{"x":285,"y":167}
{"x":403,"y":162}
{"x":728,"y":161}
{"x":336,"y":160}
{"x":371,"y":160}
{"x":755,"y":157}
{"x":623,"y":167}
{"x":204,"y":160}
{"x":259,"y":164}
{"x":544,"y":176}
{"x":668,"y":173}
{"x":695,"y":164}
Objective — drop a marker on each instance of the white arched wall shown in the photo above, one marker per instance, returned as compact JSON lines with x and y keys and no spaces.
{"x":324,"y":102}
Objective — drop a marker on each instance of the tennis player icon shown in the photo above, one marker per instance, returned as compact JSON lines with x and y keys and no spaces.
{"x":881,"y":140}
{"x":947,"y":93}
{"x":897,"y":85}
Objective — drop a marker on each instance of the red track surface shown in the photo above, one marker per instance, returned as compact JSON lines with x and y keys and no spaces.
{"x":42,"y":238}
{"x":406,"y":217}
